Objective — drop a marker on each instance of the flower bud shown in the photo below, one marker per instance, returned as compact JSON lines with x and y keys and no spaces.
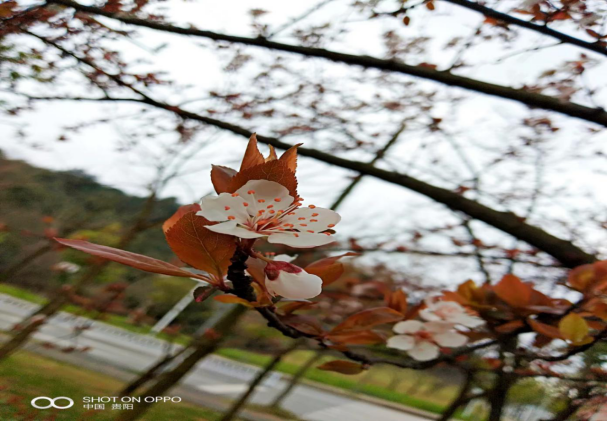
{"x":291,"y":281}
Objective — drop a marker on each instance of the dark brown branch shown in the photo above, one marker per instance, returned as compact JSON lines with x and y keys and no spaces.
{"x":379,"y":155}
{"x":528,"y":98}
{"x":543,"y":29}
{"x":242,"y":288}
{"x":203,"y":347}
{"x":16,"y":267}
{"x":297,"y":19}
{"x":276,"y":403}
{"x":497,"y":396}
{"x":150,"y":373}
{"x":78,"y":98}
{"x":263,"y":373}
{"x":462,"y":398}
{"x":564,"y":251}
{"x":275,"y":322}
{"x":478,"y":256}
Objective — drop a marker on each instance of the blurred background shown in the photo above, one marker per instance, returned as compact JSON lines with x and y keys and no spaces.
{"x":109,"y":125}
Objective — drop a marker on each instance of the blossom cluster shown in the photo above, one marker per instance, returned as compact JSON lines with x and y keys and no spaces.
{"x":439,"y":328}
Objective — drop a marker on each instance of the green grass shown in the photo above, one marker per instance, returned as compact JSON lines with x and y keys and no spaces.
{"x":24,"y":294}
{"x":26,"y":375}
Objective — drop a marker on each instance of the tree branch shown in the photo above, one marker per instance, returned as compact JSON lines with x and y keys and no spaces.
{"x":564,"y":251}
{"x":462,"y":398}
{"x":530,"y":99}
{"x":379,"y":155}
{"x":243,"y":289}
{"x":543,"y":29}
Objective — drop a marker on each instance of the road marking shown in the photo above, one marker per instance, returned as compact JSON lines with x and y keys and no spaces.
{"x":238,"y":370}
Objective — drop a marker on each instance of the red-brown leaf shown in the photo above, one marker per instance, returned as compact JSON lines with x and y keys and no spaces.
{"x":253,"y":156}
{"x":365,"y":337}
{"x":272,"y":155}
{"x":304,"y":323}
{"x":293,"y":306}
{"x":560,"y":16}
{"x":220,"y":177}
{"x":367,"y":319}
{"x":290,"y":158}
{"x":588,"y":277}
{"x":178,"y":215}
{"x":232,"y":299}
{"x":135,"y":260}
{"x":6,"y":9}
{"x":513,"y":291}
{"x":328,"y":269}
{"x":545,"y":329}
{"x":397,"y":300}
{"x":199,"y":247}
{"x":341,"y":366}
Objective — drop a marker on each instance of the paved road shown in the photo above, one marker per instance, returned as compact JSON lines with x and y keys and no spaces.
{"x":215,"y":376}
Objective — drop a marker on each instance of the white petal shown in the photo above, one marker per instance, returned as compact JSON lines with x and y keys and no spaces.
{"x":424,"y":351}
{"x":448,"y":307}
{"x":450,"y":339}
{"x":449,"y":311}
{"x":468,"y":321}
{"x":266,"y":196}
{"x":284,"y":258}
{"x":438,"y":327}
{"x":408,"y":326}
{"x":314,"y":219}
{"x":219,"y":208}
{"x":300,"y":239}
{"x":402,"y":342}
{"x":231,"y":228}
{"x":296,"y":286}
{"x":427,"y":314}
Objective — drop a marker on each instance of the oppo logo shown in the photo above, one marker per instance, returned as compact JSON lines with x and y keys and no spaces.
{"x":51,"y":402}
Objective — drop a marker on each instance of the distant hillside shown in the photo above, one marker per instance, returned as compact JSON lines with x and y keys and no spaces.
{"x":33,"y":200}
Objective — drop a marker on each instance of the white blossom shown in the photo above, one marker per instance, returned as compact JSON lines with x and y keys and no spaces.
{"x":263,"y":208}
{"x":291,"y":281}
{"x":422,"y":340}
{"x":449,"y":311}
